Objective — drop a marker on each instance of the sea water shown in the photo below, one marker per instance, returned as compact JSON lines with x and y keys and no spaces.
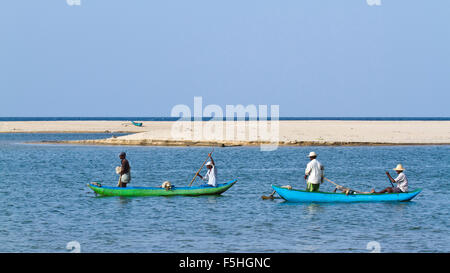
{"x":45,"y":205}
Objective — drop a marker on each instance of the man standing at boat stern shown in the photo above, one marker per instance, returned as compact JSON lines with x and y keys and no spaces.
{"x":313,"y":173}
{"x":125,"y":172}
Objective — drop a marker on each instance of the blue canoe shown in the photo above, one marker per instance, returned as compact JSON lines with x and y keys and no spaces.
{"x":331,"y":197}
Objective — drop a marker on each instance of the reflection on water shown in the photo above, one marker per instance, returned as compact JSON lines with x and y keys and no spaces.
{"x":212,"y":199}
{"x":124,"y":200}
{"x":313,"y":209}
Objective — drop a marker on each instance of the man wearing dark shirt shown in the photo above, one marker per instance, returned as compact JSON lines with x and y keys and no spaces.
{"x":125,"y":175}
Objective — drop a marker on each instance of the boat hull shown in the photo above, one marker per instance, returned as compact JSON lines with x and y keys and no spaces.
{"x":331,"y":197}
{"x":157,"y":191}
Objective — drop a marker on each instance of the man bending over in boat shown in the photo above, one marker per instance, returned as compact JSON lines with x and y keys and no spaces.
{"x":125,"y":174}
{"x":313,"y":173}
{"x":401,"y":180}
{"x":211,"y":174}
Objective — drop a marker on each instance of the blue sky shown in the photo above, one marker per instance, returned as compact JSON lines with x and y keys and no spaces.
{"x":141,"y":58}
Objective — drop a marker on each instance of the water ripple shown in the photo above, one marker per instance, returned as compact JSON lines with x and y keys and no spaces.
{"x":46,"y":204}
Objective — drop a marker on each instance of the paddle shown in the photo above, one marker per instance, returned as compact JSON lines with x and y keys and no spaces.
{"x":345,"y":189}
{"x":270,"y":197}
{"x":196,"y":174}
{"x":389,"y":177}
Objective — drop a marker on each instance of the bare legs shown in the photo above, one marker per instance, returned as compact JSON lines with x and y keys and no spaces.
{"x":388,"y":190}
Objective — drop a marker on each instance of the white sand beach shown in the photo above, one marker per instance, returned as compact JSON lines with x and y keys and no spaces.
{"x":70,"y":126}
{"x":300,"y":132}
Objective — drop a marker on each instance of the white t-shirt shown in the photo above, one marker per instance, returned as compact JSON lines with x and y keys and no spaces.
{"x":211,"y":176}
{"x":402,"y":182}
{"x":314,"y":171}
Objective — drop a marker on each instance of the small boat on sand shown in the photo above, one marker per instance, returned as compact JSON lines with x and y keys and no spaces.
{"x":138,"y":124}
{"x":301,"y":196}
{"x":158,"y":191}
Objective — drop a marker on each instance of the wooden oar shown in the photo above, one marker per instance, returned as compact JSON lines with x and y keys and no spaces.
{"x":196,"y":174}
{"x":270,"y":197}
{"x":390,"y":179}
{"x":339,"y":187}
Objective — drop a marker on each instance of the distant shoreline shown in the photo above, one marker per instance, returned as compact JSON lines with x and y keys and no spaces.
{"x":165,"y":143}
{"x":285,"y":133}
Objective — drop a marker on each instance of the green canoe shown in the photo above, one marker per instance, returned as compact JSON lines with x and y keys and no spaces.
{"x":158,"y":191}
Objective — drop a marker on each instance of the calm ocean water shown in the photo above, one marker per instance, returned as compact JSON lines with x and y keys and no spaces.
{"x":45,"y":203}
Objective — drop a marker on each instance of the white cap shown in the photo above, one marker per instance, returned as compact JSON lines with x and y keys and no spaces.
{"x":209,"y":163}
{"x":311,"y":154}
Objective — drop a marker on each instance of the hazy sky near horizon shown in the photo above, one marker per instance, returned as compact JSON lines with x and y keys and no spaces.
{"x":329,"y":58}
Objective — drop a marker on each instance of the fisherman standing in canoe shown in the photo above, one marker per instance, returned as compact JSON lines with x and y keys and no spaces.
{"x":211,"y":174}
{"x":125,"y":173}
{"x":313,"y":173}
{"x":401,"y":180}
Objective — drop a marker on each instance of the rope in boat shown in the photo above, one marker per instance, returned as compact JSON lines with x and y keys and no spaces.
{"x":342,"y":188}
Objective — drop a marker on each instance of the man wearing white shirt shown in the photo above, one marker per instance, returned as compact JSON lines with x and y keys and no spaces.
{"x":401,"y":180}
{"x":313,"y":173}
{"x":211,"y":175}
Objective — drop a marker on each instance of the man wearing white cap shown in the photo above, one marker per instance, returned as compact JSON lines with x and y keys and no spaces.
{"x":401,"y":180}
{"x":313,"y":173}
{"x":211,"y":175}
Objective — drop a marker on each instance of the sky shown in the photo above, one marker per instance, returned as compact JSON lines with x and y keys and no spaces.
{"x":328,"y":58}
